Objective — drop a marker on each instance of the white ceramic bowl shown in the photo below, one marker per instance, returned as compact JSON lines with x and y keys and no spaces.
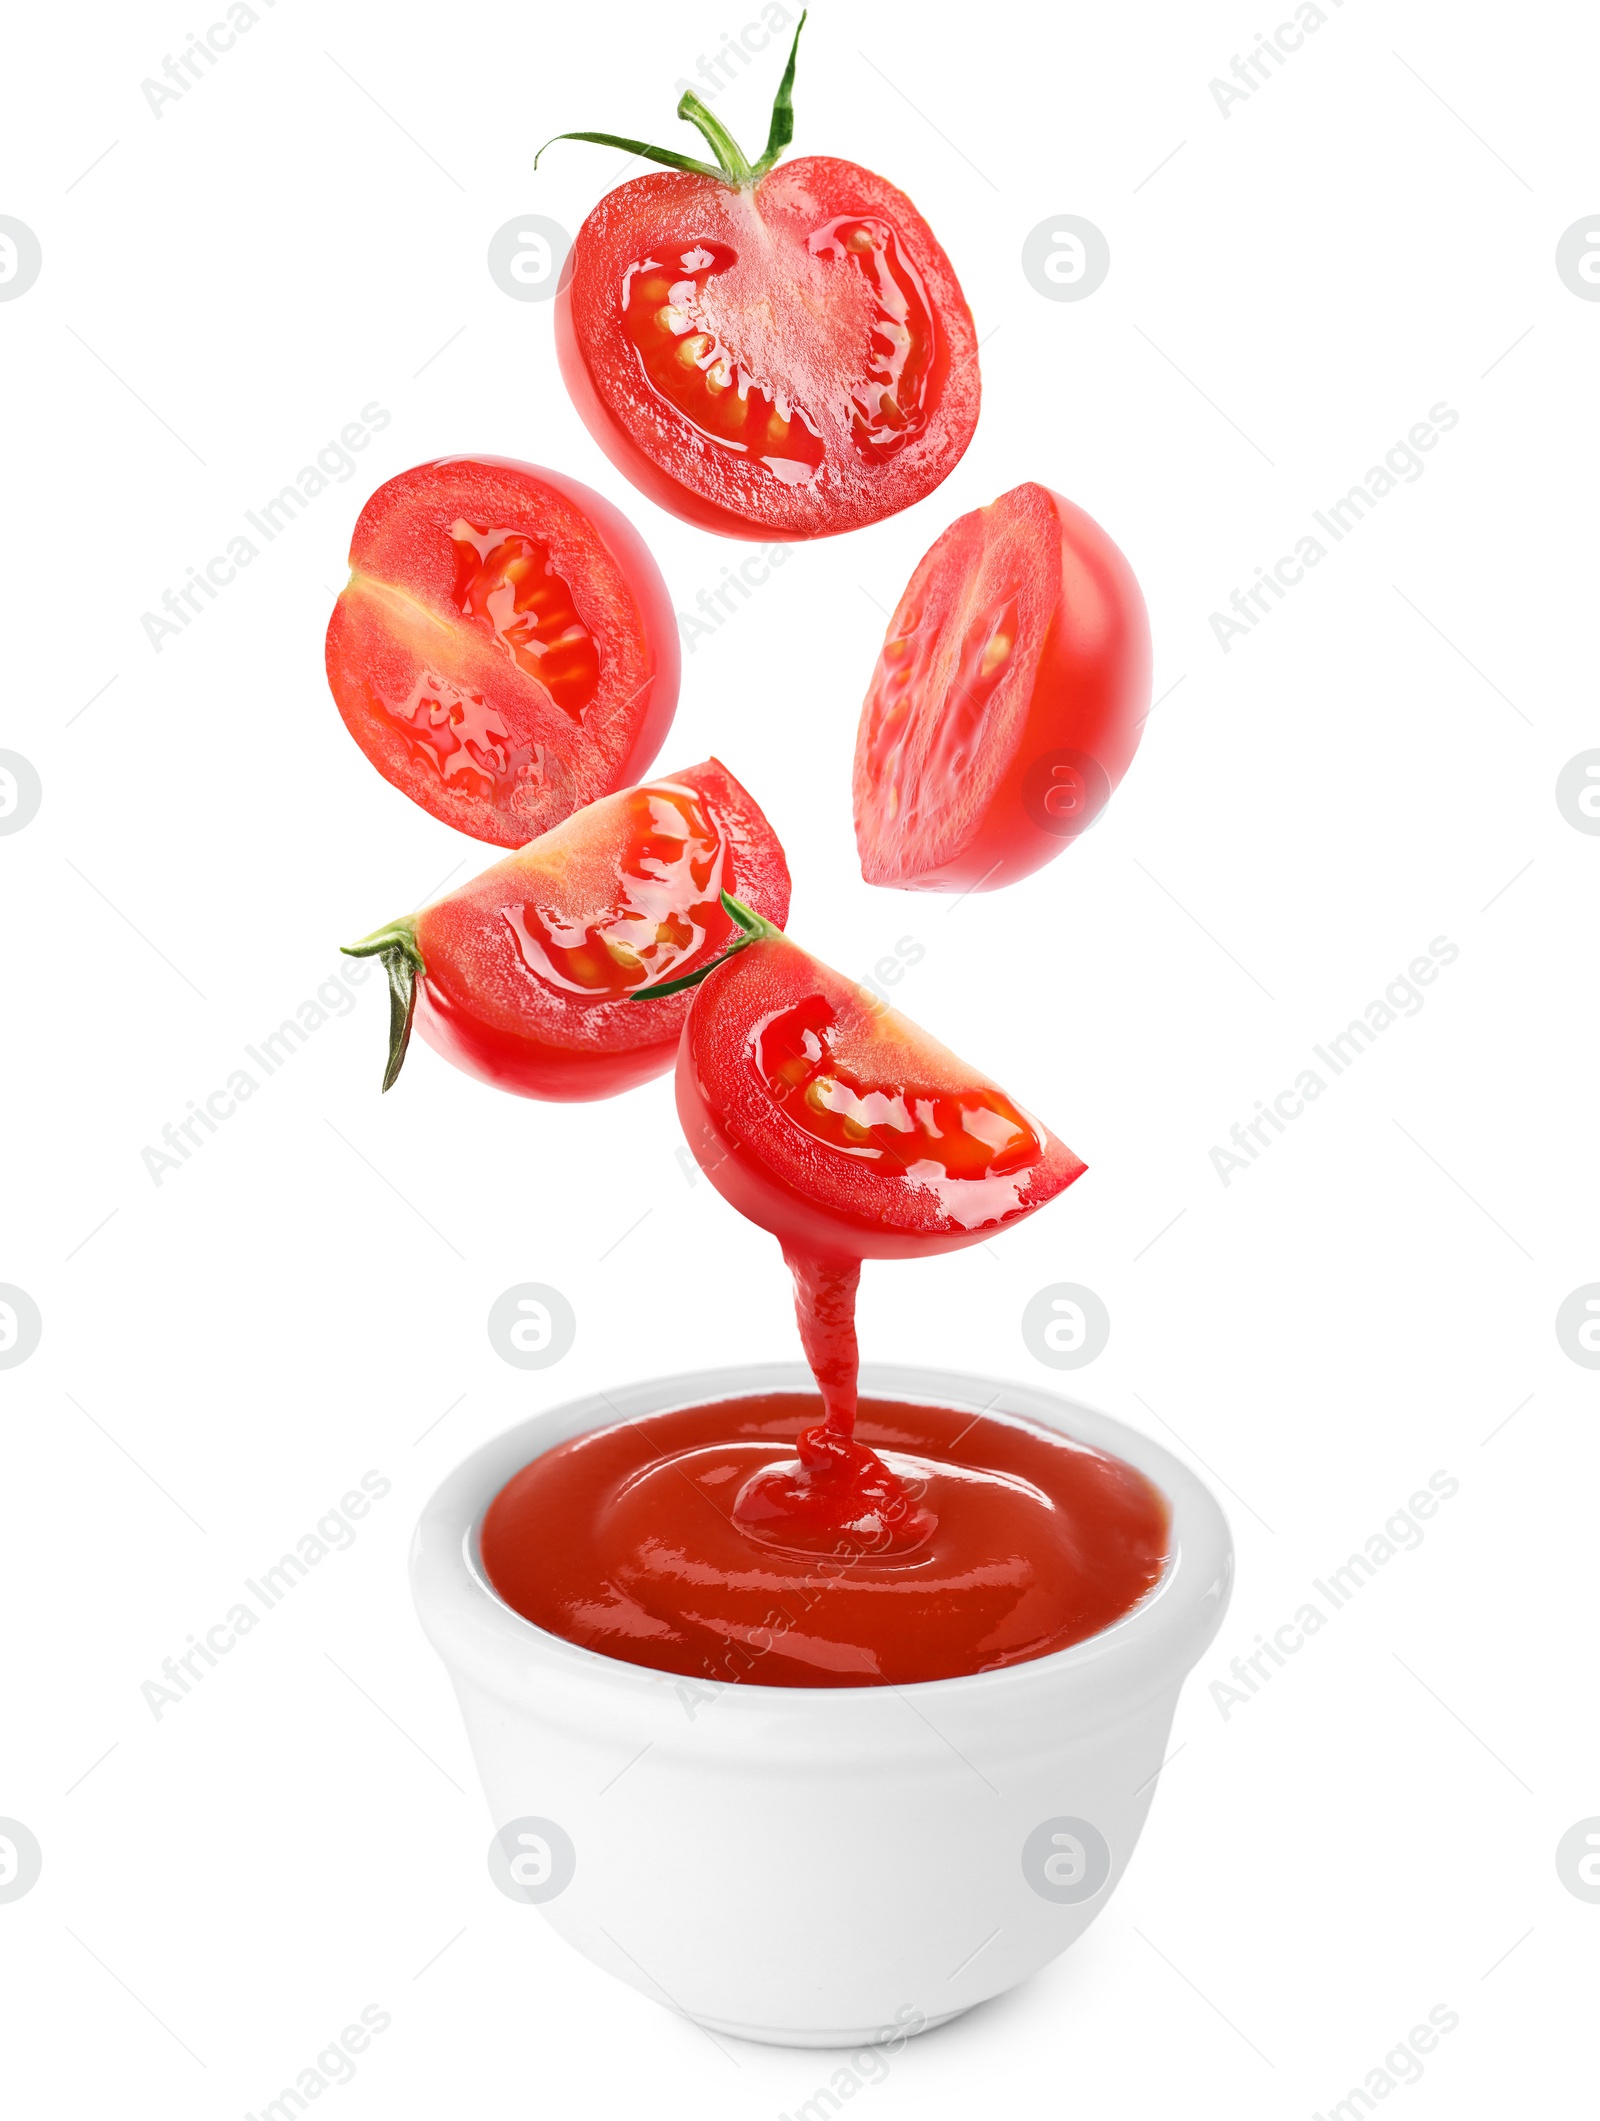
{"x":819,"y":1866}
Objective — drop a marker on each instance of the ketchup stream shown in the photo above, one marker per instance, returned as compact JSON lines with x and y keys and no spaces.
{"x":834,"y":1489}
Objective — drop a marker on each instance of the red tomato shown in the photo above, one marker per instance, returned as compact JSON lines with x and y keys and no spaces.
{"x":505,"y":650}
{"x":523,"y":977}
{"x":1008,"y":700}
{"x":843,"y":1128}
{"x":767,"y":352}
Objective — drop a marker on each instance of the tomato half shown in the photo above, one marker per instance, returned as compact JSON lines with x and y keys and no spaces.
{"x":1007,"y":702}
{"x":843,"y":1128}
{"x":505,"y":650}
{"x":768,"y":352}
{"x":524,"y":977}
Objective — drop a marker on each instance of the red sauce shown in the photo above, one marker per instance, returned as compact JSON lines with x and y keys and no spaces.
{"x":981,"y":1541}
{"x":835,"y":1481}
{"x":835,"y":1486}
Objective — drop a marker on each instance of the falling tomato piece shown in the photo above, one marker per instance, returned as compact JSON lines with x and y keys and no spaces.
{"x":1007,"y":702}
{"x":841,"y":1126}
{"x":505,"y":650}
{"x":526,"y":977}
{"x":768,"y":349}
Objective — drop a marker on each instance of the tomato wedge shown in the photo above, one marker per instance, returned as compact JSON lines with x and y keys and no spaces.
{"x":524,"y":977}
{"x":505,"y":650}
{"x":1007,"y":702}
{"x":768,"y":352}
{"x":839,"y":1125}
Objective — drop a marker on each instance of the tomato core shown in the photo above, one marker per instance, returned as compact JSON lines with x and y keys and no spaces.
{"x":888,"y":401}
{"x":688,"y":340}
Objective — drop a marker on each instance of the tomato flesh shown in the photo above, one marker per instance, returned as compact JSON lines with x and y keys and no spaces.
{"x":682,"y":354}
{"x":505,"y":650}
{"x":889,"y":401}
{"x":528,"y":970}
{"x":975,"y":1133}
{"x":679,"y":338}
{"x":508,"y":582}
{"x":843,"y":1128}
{"x":1007,"y":701}
{"x":665,"y":915}
{"x":790,"y":359}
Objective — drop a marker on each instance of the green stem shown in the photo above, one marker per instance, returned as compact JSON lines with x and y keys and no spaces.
{"x":729,"y":154}
{"x":731,"y":165}
{"x":402,"y":961}
{"x":781,"y":130}
{"x":752,"y":927}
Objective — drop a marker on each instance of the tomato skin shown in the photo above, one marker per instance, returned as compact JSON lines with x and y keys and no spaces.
{"x":655,"y":447}
{"x":1090,"y":694}
{"x":530,"y":1067}
{"x":814,"y":1201}
{"x":401,"y":543}
{"x":479,"y":1007}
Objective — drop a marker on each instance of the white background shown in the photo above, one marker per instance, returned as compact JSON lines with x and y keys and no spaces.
{"x":1369,"y":234}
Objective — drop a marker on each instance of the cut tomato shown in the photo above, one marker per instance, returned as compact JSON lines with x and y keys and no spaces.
{"x":525,"y":977}
{"x":1007,"y":702}
{"x":768,"y":352}
{"x":839,"y":1125}
{"x":505,"y":650}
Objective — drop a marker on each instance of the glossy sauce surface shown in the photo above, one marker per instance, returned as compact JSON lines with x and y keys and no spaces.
{"x":1001,"y":1542}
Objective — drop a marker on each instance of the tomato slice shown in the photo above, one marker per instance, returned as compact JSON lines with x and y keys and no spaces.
{"x":1007,"y":702}
{"x":840,"y":1126}
{"x":505,"y":650}
{"x":524,"y":977}
{"x":768,"y":352}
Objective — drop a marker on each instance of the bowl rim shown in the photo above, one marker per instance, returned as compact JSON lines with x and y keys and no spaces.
{"x":1149,"y":1648}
